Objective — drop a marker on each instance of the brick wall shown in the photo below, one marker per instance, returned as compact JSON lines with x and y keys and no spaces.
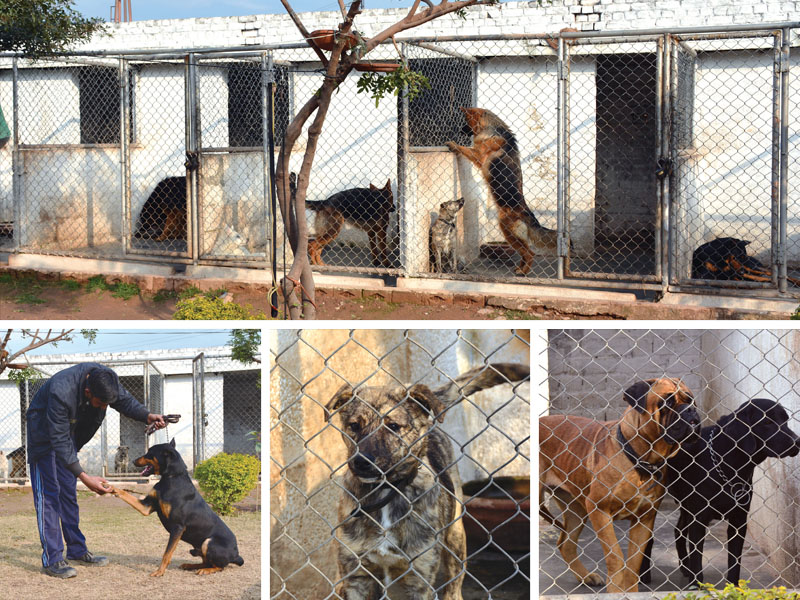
{"x":506,"y":18}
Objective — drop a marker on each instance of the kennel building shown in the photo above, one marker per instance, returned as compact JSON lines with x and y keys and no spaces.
{"x":218,"y":400}
{"x":637,"y":146}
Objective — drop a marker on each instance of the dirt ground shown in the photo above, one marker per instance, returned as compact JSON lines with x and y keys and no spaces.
{"x":134,"y":545}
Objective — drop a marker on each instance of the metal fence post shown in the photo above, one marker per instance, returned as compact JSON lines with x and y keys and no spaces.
{"x":124,"y":158}
{"x":192,"y":154}
{"x":198,"y":405}
{"x":562,"y":160}
{"x":784,"y":189}
{"x":16,"y":157}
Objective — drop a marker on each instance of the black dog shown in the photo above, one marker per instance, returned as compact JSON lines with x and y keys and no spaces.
{"x":163,"y":215}
{"x":713,"y":479}
{"x":183,"y":513}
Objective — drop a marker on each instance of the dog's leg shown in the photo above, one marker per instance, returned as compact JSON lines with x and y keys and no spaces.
{"x":681,"y":531}
{"x":508,"y":222}
{"x":333,"y":225}
{"x":573,"y":518}
{"x":737,"y":529}
{"x":377,"y":242}
{"x":145,"y":509}
{"x":478,"y":153}
{"x":647,"y":563}
{"x":640,"y":534}
{"x":603,"y":526}
{"x":357,"y":587}
{"x":696,"y":535}
{"x":174,"y":538}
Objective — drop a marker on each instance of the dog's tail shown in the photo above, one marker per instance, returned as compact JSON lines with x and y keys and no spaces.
{"x":540,"y":235}
{"x":238,"y":561}
{"x":481,"y":378}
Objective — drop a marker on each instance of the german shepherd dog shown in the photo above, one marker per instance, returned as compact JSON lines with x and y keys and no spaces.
{"x":183,"y":513}
{"x":494,"y":151}
{"x":401,"y":534}
{"x":368,"y":209}
{"x":442,"y":238}
{"x":163,"y":216}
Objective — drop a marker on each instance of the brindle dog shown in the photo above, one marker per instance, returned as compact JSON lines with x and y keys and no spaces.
{"x":611,"y":470}
{"x":401,"y":511}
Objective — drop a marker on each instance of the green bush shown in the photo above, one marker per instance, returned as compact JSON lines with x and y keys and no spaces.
{"x":227,"y":478}
{"x":202,"y":308}
{"x":796,"y":314}
{"x":736,"y":592}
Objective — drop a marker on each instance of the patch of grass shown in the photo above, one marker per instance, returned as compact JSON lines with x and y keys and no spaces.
{"x":189,"y":292}
{"x":70,"y":284}
{"x":30,"y":296}
{"x":379,"y":304}
{"x":97,"y":283}
{"x":164,"y":295}
{"x":126,"y":291}
{"x":6,"y":278}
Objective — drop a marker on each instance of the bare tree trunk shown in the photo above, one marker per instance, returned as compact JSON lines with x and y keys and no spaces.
{"x":298,"y":285}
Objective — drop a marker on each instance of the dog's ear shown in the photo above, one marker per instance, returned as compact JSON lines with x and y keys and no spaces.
{"x":172,"y":442}
{"x":344,"y":394}
{"x":372,"y":187}
{"x":424,"y":398}
{"x":388,"y":185}
{"x":636,"y":395}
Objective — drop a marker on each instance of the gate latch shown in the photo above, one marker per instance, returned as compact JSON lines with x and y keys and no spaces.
{"x":192,"y":160}
{"x":664,"y":168}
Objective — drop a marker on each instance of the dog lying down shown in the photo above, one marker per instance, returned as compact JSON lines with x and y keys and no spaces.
{"x":183,"y":513}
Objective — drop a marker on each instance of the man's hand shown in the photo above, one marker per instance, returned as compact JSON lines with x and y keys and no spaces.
{"x":157,"y":421}
{"x":95,"y":483}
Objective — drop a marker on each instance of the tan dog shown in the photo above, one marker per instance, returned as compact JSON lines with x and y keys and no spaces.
{"x":401,"y":532}
{"x":613,"y":470}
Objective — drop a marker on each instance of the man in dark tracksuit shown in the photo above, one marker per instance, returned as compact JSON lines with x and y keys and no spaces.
{"x":64,"y":415}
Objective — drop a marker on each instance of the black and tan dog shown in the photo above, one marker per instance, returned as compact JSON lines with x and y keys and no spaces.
{"x":183,"y":513}
{"x":613,"y":470}
{"x":494,"y":151}
{"x":712,"y":479}
{"x":369,"y":209}
{"x":163,"y":215}
{"x":401,"y":531}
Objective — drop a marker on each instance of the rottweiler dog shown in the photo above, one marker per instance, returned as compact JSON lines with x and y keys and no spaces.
{"x":712,"y":479}
{"x":183,"y":513}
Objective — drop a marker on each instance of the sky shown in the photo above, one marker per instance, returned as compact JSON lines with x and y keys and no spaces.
{"x":125,"y":340}
{"x":158,"y":9}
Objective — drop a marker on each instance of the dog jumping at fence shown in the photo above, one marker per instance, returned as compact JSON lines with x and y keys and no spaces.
{"x":614,"y":470}
{"x":401,"y":513}
{"x":369,"y":209}
{"x":442,"y":238}
{"x":712,"y":479}
{"x":183,"y":513}
{"x":3,"y":465}
{"x":494,"y":151}
{"x":17,"y":458}
{"x":163,"y":215}
{"x":121,"y":459}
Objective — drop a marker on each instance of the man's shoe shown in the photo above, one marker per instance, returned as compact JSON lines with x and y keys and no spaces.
{"x":90,"y":560}
{"x":61,"y":569}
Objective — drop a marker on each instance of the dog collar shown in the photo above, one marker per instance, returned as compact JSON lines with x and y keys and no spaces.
{"x":446,"y":222}
{"x":644,"y":468}
{"x":741,"y":490}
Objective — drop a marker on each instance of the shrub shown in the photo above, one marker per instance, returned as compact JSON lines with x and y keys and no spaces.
{"x":205,"y":308}
{"x":227,"y":478}
{"x":796,"y":314}
{"x":737,"y":592}
{"x":126,"y":291}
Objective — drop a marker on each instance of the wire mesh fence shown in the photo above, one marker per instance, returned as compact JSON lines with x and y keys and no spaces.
{"x":372,"y":434}
{"x":691,"y":436}
{"x":220,"y":412}
{"x":647,"y":158}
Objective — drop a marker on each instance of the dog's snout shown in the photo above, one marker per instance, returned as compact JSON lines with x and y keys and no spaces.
{"x":363,"y":465}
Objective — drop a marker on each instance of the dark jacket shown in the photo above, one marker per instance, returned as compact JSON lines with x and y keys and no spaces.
{"x":61,"y":419}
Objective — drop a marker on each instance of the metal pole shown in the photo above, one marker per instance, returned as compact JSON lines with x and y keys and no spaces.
{"x":192,"y":150}
{"x":669,"y":217}
{"x":784,"y":191}
{"x":402,"y":176}
{"x":562,"y":160}
{"x":659,"y":233}
{"x":268,"y":134}
{"x":16,"y":158}
{"x":776,"y":159}
{"x":124,"y":159}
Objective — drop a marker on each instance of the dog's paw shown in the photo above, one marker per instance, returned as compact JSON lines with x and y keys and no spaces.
{"x":452,"y":146}
{"x":157,"y":573}
{"x":594,"y":579}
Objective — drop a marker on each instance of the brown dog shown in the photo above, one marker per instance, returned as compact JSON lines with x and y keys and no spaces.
{"x":494,"y":151}
{"x":613,"y":470}
{"x":401,"y":511}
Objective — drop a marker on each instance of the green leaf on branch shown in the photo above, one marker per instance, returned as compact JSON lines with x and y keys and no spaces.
{"x":403,"y":78}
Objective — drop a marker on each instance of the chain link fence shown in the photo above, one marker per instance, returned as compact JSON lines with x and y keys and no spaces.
{"x":370,"y":445}
{"x":615,"y":158}
{"x":220,"y":412}
{"x":732,"y":488}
